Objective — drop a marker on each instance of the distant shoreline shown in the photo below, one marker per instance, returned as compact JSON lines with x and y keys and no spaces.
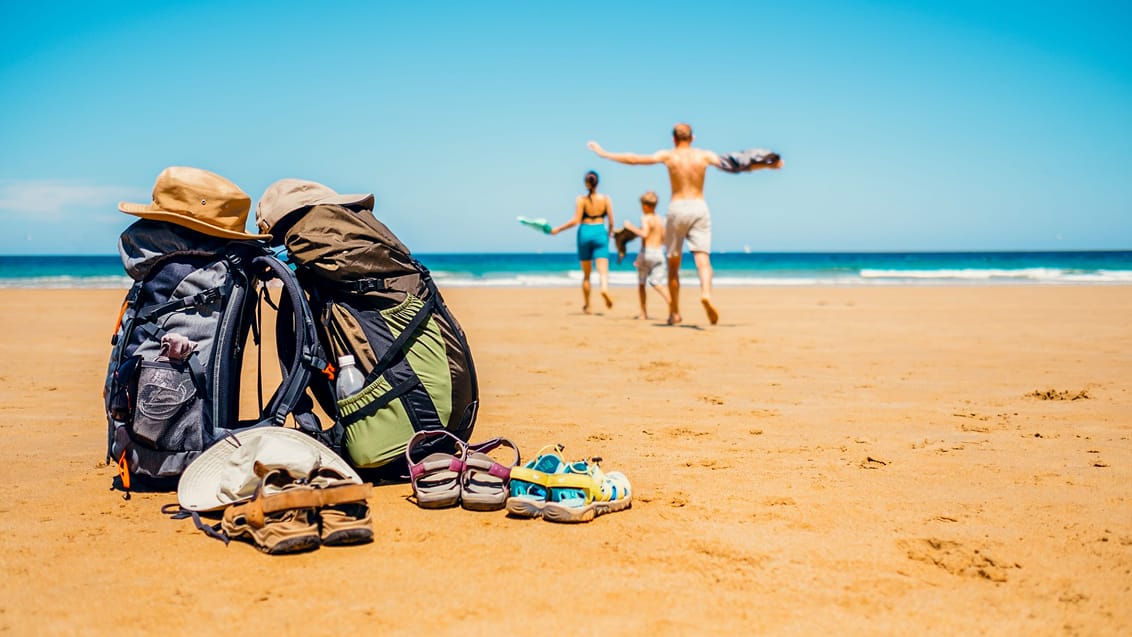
{"x":790,"y":269}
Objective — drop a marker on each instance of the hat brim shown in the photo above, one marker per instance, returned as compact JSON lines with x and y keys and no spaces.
{"x":146,"y":211}
{"x":198,"y":489}
{"x":279,"y":229}
{"x":365,"y":201}
{"x":347,"y":201}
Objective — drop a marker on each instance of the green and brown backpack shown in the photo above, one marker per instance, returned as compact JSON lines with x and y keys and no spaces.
{"x":373,"y":300}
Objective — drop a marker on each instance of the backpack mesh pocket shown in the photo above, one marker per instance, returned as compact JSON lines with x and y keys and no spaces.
{"x":169,"y":412}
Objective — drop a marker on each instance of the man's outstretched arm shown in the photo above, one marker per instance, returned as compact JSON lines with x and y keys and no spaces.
{"x":627,"y":158}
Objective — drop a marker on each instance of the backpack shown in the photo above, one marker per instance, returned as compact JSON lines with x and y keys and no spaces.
{"x":163,"y":409}
{"x":374,"y":301}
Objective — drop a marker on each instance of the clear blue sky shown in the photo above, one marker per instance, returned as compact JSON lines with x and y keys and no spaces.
{"x":950,"y":125}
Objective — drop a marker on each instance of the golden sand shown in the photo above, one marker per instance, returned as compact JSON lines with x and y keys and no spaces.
{"x":898,"y":461}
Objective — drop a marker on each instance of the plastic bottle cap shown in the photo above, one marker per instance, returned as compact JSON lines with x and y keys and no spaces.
{"x":345,"y":359}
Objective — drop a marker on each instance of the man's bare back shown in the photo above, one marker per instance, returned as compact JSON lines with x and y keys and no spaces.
{"x":686,"y":169}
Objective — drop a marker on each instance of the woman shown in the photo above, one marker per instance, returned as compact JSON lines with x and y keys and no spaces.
{"x":593,"y":214}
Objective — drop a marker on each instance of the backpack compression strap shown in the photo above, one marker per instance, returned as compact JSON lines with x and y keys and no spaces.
{"x":428,"y":307}
{"x":398,"y":343}
{"x":207,"y":297}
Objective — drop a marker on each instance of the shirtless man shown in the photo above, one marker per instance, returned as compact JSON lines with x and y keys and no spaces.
{"x":688,"y":214}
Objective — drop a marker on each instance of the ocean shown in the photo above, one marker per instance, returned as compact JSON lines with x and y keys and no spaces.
{"x":731,"y":269}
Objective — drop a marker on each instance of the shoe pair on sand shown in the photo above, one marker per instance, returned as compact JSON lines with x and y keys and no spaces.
{"x":289,"y":516}
{"x":469,"y":477}
{"x":571,"y":492}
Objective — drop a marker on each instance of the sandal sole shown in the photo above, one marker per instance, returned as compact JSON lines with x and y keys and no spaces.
{"x":475,"y":505}
{"x":351,"y":523}
{"x":346,"y":537}
{"x":524,"y":508}
{"x":555,"y":512}
{"x":293,"y":545}
{"x":444,"y":503}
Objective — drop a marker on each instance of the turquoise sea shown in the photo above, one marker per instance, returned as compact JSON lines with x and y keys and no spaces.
{"x":731,"y":269}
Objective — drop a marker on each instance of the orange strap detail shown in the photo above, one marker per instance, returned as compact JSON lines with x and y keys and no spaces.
{"x":124,"y":471}
{"x":329,"y":371}
{"x":121,"y":313}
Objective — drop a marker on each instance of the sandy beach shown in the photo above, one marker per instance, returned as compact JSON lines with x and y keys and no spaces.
{"x":857,"y":460}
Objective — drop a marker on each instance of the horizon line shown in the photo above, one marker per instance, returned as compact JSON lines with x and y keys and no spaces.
{"x":717,"y":252}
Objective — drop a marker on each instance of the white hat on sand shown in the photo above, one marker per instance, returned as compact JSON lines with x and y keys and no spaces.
{"x":230,"y":470}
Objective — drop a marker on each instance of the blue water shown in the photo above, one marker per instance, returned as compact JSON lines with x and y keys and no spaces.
{"x":731,"y":269}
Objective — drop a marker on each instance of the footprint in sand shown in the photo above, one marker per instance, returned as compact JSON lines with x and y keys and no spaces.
{"x":658,"y":371}
{"x":982,"y":423}
{"x":1064,"y":394}
{"x":957,"y":559}
{"x":678,"y":500}
{"x":684,"y":432}
{"x":708,"y":463}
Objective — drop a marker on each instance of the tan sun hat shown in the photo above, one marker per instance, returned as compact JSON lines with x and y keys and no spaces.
{"x":230,"y":470}
{"x":199,"y":200}
{"x":288,"y":195}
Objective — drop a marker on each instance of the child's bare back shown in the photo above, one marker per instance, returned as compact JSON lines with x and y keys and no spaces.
{"x":654,"y":230}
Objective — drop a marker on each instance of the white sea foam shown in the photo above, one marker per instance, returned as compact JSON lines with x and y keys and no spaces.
{"x":1019,"y":275}
{"x":866,"y":277}
{"x":68,"y":282}
{"x":724,"y":277}
{"x":504,"y":281}
{"x":1100,"y":276}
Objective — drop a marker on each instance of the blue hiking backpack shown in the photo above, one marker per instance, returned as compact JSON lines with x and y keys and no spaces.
{"x":163,"y":411}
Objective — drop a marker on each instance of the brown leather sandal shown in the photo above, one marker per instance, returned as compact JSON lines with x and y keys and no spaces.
{"x":344,"y":508}
{"x":280,"y":518}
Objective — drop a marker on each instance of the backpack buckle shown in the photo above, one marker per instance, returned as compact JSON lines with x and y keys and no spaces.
{"x":207,"y":297}
{"x":315,"y":362}
{"x":361,"y":286}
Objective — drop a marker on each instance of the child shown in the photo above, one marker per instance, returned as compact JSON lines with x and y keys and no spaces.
{"x":650,"y":260}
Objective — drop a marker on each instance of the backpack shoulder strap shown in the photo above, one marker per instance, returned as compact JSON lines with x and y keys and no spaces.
{"x":299,"y":350}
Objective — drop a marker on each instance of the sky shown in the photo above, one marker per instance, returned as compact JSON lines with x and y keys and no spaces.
{"x":905,"y":126}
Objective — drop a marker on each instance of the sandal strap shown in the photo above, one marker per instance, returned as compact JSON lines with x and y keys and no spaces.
{"x":555,"y":449}
{"x":580,"y":481}
{"x":482,"y":462}
{"x":334,"y":488}
{"x":343,"y":494}
{"x":424,"y":434}
{"x":495,"y":443}
{"x":301,"y":497}
{"x":435,"y":463}
{"x":530,"y":475}
{"x":255,"y":511}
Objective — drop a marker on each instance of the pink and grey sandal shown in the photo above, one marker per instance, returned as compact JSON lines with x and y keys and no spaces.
{"x":484,"y":484}
{"x":436,"y":478}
